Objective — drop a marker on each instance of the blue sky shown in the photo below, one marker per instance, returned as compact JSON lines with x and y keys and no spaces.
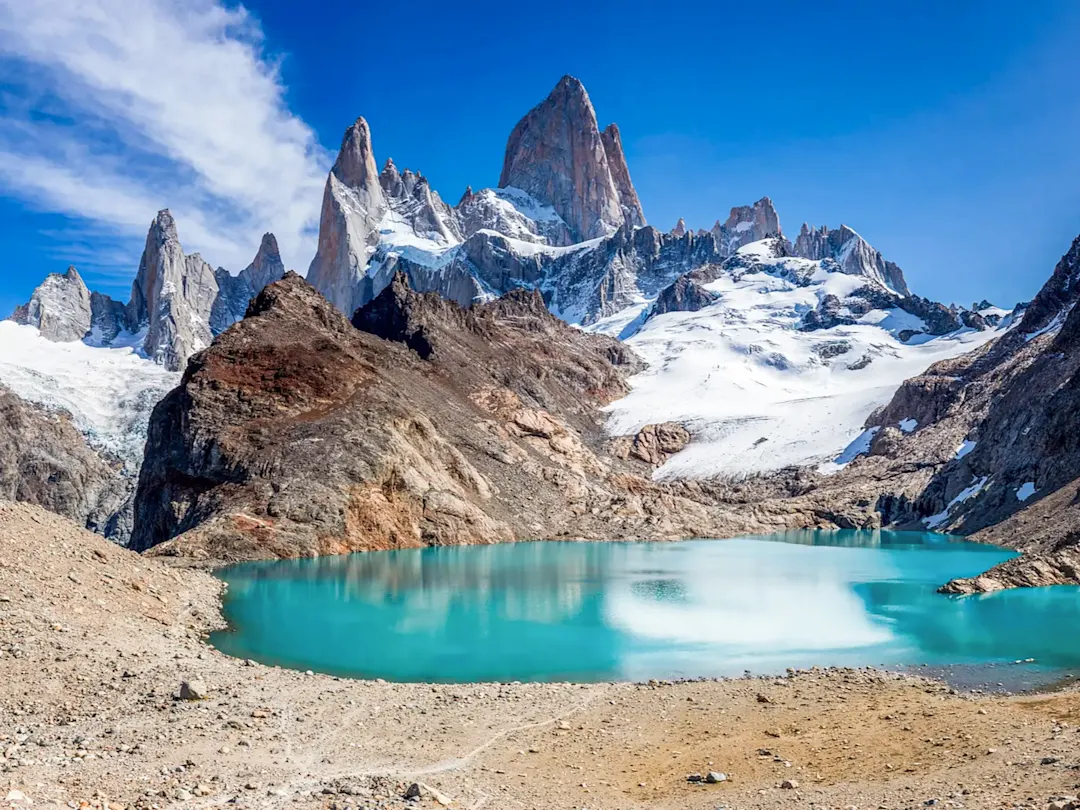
{"x":945,"y":133}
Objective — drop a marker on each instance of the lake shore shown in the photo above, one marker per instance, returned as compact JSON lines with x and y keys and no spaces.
{"x":96,"y":640}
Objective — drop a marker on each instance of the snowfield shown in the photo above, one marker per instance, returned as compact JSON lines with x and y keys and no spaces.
{"x":756,"y":393}
{"x":109,"y":392}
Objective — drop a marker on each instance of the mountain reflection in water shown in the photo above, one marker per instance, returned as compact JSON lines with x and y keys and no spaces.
{"x":589,"y":611}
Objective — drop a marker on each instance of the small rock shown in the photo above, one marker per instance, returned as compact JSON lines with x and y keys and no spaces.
{"x":203,"y":790}
{"x":413,"y":792}
{"x":789,"y":784}
{"x":1049,"y":761}
{"x":694,"y":777}
{"x":715,"y":777}
{"x":193,"y":690}
{"x":762,"y":699}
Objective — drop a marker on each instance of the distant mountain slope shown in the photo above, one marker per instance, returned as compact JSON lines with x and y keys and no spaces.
{"x":773,"y":361}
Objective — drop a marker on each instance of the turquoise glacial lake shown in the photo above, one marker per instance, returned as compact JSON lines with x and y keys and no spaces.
{"x":555,"y":611}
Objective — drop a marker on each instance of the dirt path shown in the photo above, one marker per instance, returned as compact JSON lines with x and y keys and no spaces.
{"x":95,"y":641}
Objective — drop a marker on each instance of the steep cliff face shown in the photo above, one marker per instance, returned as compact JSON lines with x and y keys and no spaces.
{"x":297,"y":433}
{"x":59,"y":308}
{"x":633,"y":214}
{"x":352,"y":207}
{"x":556,"y":154}
{"x":46,"y":461}
{"x":172,"y":297}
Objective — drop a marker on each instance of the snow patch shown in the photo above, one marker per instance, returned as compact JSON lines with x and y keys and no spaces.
{"x":109,"y":392}
{"x":751,"y":386}
{"x":966,"y":447}
{"x":908,"y":425}
{"x":859,"y":447}
{"x":1025,"y":491}
{"x":934,"y":521}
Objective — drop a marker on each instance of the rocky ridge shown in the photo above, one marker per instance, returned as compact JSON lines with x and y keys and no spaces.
{"x":565,"y":220}
{"x":294,"y":435}
{"x":178,"y":302}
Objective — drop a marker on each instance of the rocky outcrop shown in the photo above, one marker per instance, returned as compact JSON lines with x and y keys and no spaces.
{"x":633,"y":215}
{"x":750,"y":223}
{"x":653,"y":444}
{"x":46,"y":461}
{"x":852,"y":253}
{"x":685,"y":295}
{"x":236,"y":292}
{"x":59,"y":308}
{"x":352,"y":206}
{"x":1034,"y":570}
{"x":172,"y":297}
{"x":557,"y":154}
{"x":297,"y":434}
{"x":1057,"y":296}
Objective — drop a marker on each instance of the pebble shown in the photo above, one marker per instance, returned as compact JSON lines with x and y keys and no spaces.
{"x":789,"y":784}
{"x":715,"y":777}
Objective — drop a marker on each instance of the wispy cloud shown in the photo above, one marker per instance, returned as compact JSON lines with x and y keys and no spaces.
{"x":113,"y":109}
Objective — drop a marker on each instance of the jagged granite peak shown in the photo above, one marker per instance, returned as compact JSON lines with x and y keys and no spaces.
{"x":267,"y":266}
{"x":556,"y":154}
{"x":236,"y":292}
{"x":59,"y":308}
{"x":680,"y":228}
{"x":353,"y":204}
{"x":620,"y":173}
{"x":854,"y":254}
{"x":355,"y":164}
{"x":753,"y":223}
{"x":172,"y":297}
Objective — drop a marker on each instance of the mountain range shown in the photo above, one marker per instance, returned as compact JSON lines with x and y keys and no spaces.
{"x":534,"y":361}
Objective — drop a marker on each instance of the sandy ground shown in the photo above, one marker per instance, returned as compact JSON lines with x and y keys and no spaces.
{"x":95,"y":642}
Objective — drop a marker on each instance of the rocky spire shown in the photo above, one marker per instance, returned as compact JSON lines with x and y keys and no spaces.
{"x":266,"y":267}
{"x":235,"y":292}
{"x":353,"y":203}
{"x":355,"y":164}
{"x":680,"y":228}
{"x":172,"y":297}
{"x":620,"y":173}
{"x":59,"y":307}
{"x":556,"y":154}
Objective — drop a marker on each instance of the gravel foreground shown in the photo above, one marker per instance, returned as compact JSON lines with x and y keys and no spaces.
{"x":95,"y":642}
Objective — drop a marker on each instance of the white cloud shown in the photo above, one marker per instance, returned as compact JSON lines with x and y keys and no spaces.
{"x":119,"y":108}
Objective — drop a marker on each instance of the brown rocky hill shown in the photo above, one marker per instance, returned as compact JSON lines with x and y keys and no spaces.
{"x":297,"y":433}
{"x":45,"y":460}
